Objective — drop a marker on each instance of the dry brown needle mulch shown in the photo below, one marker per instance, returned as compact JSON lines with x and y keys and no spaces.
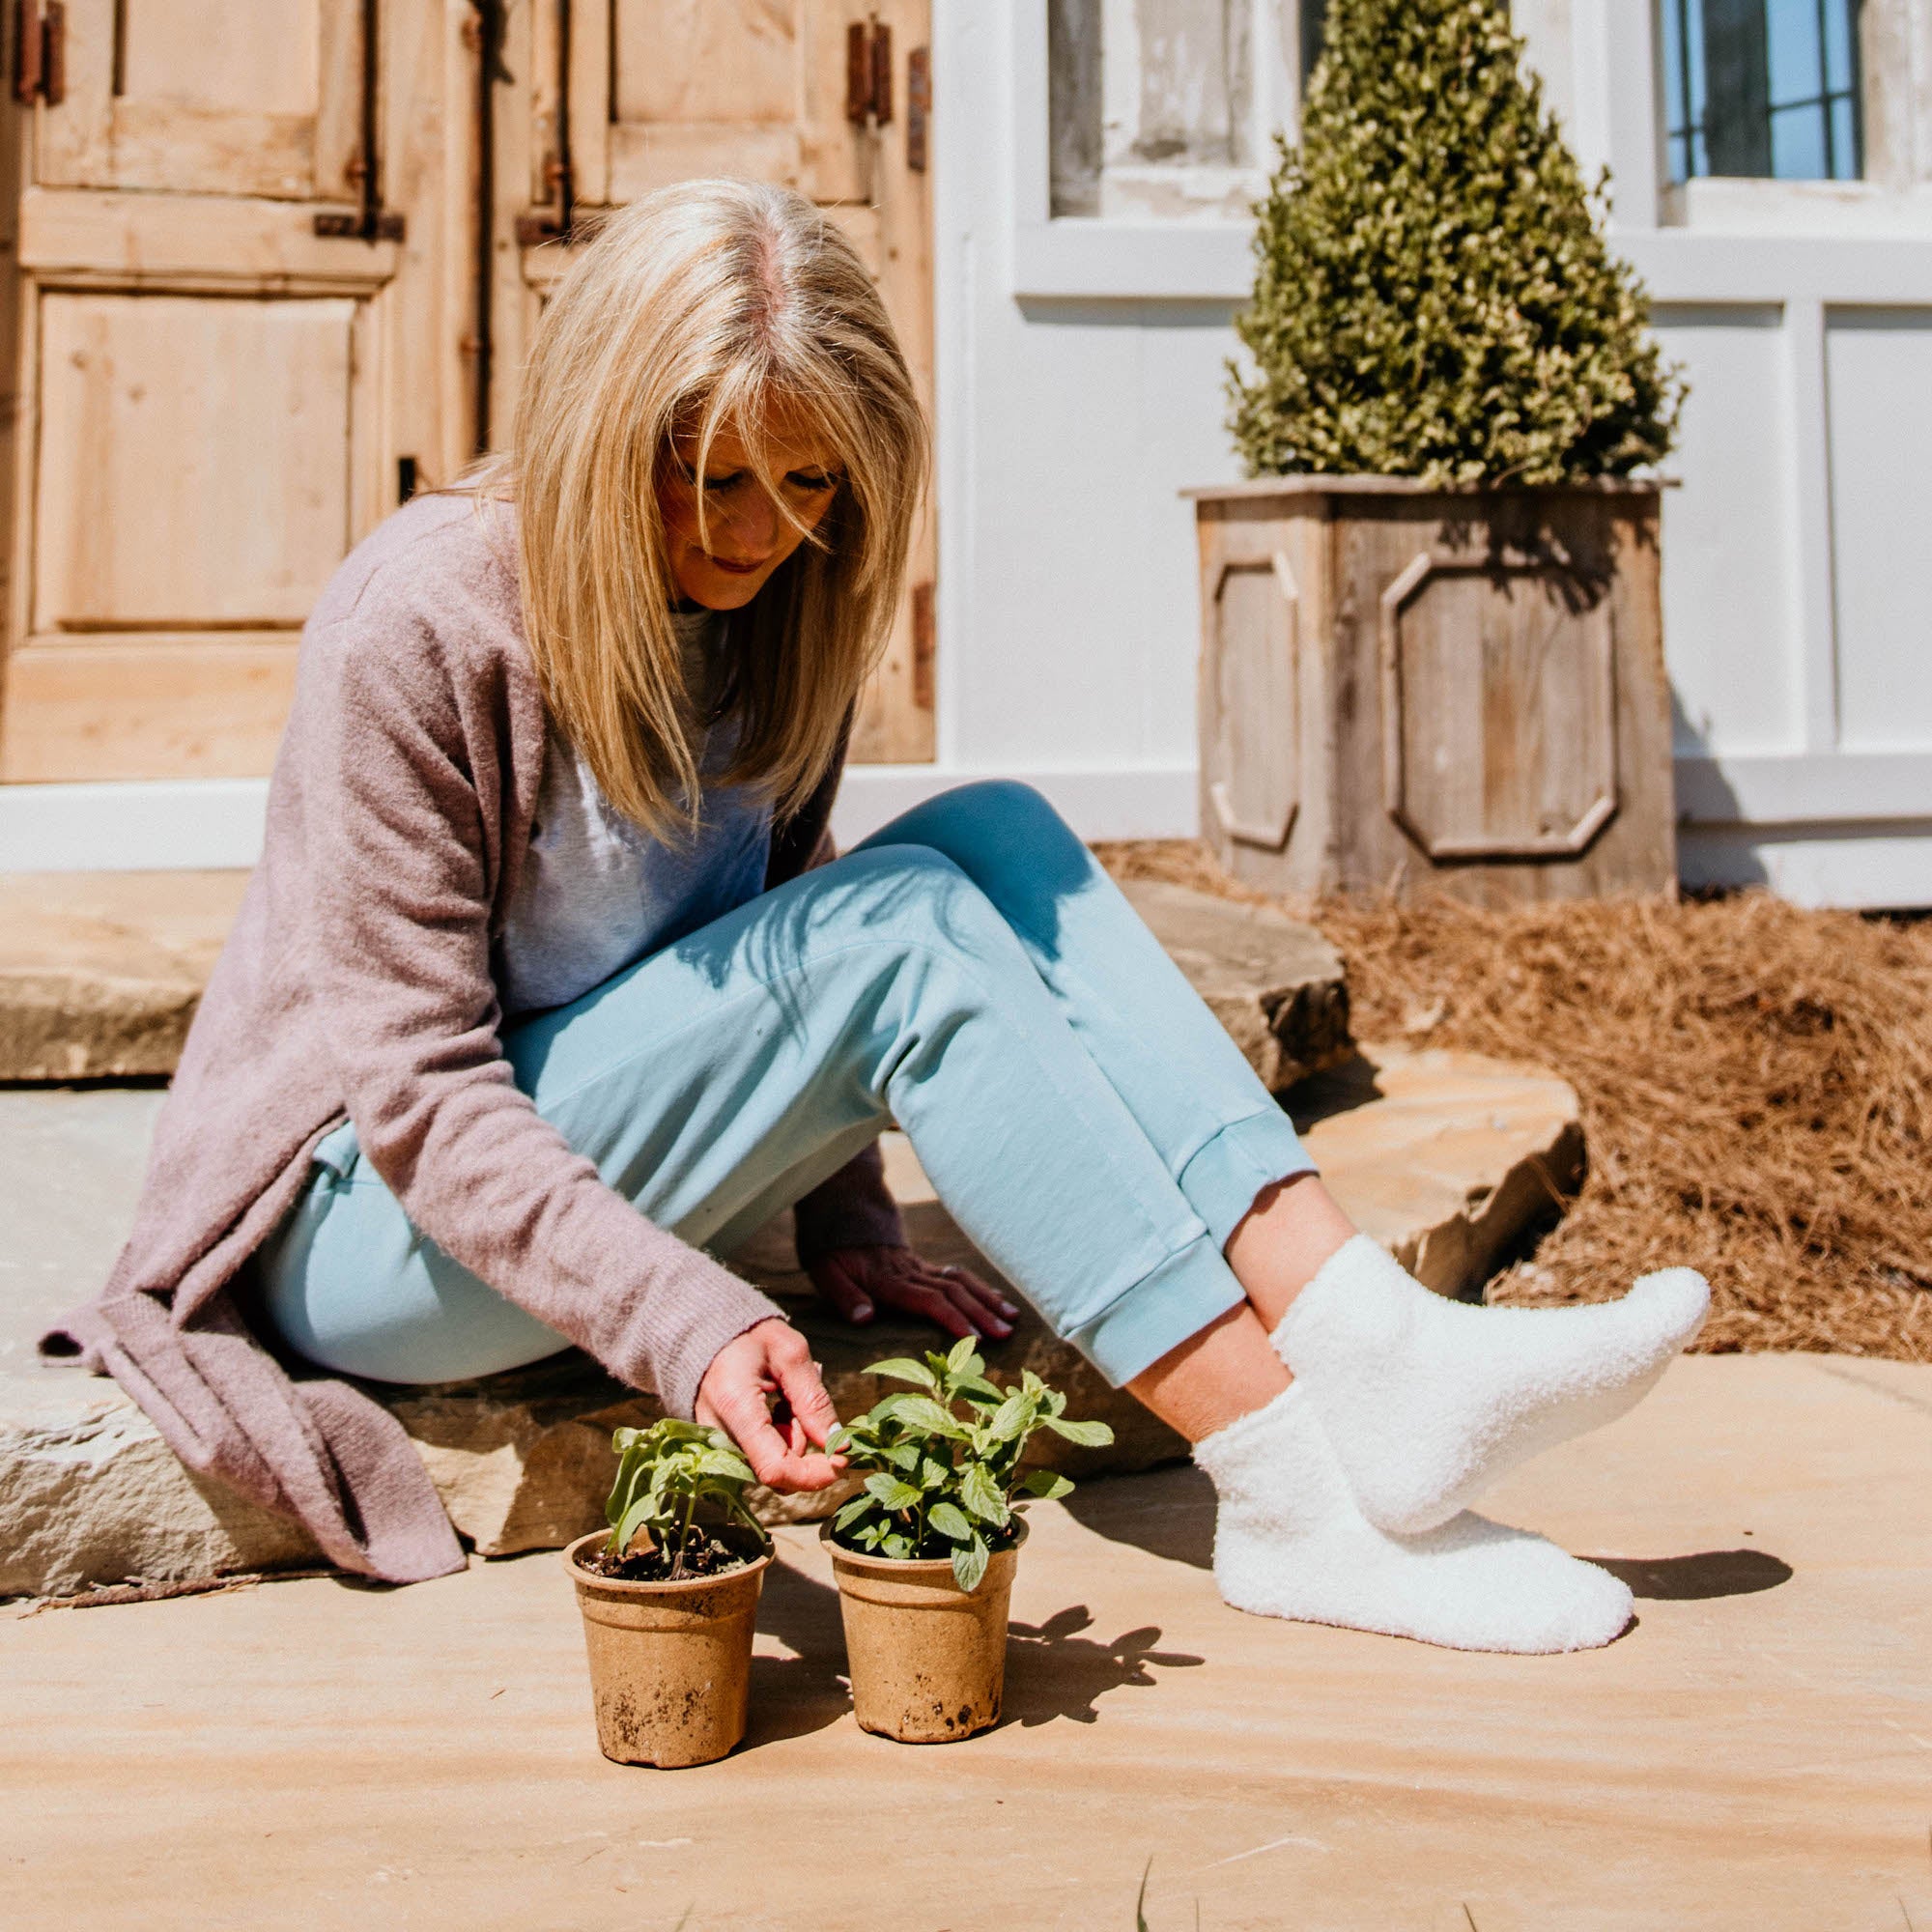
{"x":1756,"y":1081}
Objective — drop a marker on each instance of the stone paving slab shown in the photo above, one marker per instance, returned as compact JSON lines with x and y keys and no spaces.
{"x":1449,"y":1159}
{"x":101,"y":972}
{"x":70,"y":1165}
{"x":1461,"y":1165}
{"x":1274,"y":982}
{"x":1756,"y":1753}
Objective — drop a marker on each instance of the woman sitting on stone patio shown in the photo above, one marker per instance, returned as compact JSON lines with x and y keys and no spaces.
{"x":548,"y":981}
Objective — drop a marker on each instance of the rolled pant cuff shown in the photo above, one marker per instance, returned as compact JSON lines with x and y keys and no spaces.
{"x":1190,"y":1289}
{"x":1223,"y":1177}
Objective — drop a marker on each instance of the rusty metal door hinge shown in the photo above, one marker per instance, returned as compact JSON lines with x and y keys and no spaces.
{"x":869,"y":73}
{"x":556,"y":223}
{"x":924,"y":639}
{"x":370,"y":220}
{"x":39,"y":52}
{"x":358,"y":225}
{"x":919,"y":106}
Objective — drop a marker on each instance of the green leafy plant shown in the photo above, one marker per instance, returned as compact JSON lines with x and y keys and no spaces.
{"x":663,"y":1473}
{"x":943,"y":1460}
{"x":1433,"y":295}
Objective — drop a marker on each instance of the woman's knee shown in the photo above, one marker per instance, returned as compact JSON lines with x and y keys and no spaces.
{"x":911,"y":885}
{"x":919,"y":902}
{"x":999,"y":806}
{"x":992,"y":827}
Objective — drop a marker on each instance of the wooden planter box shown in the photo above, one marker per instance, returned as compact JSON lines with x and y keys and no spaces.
{"x":1418,"y":690}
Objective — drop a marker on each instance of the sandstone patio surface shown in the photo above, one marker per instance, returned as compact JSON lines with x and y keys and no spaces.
{"x":1756,"y":1753}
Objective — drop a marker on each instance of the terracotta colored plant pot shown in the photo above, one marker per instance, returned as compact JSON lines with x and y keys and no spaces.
{"x":928,"y":1660}
{"x":670,"y":1663}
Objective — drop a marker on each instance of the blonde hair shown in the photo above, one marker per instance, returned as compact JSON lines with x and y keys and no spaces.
{"x":702,"y":304}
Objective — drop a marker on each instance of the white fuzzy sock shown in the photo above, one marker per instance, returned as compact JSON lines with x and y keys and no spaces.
{"x":1289,"y":1542}
{"x":1428,"y":1401}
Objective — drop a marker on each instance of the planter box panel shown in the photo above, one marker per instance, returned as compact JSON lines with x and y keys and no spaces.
{"x":1498,"y":711}
{"x":1255,"y":609}
{"x":1464,"y":692}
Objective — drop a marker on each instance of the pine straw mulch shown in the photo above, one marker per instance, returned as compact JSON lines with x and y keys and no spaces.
{"x":1755,"y":1082}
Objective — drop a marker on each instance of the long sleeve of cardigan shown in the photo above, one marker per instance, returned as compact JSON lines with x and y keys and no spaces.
{"x":398,"y":955}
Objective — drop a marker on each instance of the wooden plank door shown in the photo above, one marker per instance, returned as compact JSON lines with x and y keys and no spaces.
{"x":627,"y":96}
{"x":228,"y":358}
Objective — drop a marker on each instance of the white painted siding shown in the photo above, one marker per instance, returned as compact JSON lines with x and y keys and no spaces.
{"x":1729,"y":577}
{"x":1879,"y":383}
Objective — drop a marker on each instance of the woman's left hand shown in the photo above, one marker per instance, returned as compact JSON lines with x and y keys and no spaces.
{"x":858,"y":1282}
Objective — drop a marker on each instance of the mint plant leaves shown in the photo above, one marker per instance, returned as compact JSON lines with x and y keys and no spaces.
{"x":663,"y":1473}
{"x":942,"y":1462}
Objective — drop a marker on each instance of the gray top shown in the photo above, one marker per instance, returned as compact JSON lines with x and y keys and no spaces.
{"x":597,"y":894}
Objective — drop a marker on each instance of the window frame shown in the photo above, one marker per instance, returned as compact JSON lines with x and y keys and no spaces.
{"x":1684,"y":38}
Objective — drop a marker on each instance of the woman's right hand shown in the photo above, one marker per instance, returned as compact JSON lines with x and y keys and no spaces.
{"x":772,"y":1358}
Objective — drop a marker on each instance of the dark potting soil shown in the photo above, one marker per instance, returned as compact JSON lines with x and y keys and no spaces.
{"x":933,"y":1549}
{"x":705,"y":1554}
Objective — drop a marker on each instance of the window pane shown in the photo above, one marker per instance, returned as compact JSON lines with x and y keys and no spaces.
{"x":1314,"y":17}
{"x":1841,"y":64}
{"x":1736,"y":90}
{"x":1692,"y":12}
{"x":1797,"y":60}
{"x":1761,"y":88}
{"x":1845,"y":139}
{"x":1798,"y":144}
{"x":1676,"y":116}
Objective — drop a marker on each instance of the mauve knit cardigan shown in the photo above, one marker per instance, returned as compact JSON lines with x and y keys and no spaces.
{"x":356,"y":984}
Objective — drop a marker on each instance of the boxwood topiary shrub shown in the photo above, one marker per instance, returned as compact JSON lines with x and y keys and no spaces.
{"x":1432,"y":296}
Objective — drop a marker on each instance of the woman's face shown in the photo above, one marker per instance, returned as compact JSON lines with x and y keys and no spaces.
{"x":749,"y":535}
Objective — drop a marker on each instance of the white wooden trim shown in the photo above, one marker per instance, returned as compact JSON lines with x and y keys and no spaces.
{"x":1680,"y":264}
{"x":1736,"y":205}
{"x":1081,"y":258}
{"x":959,"y":152}
{"x":158,"y":826}
{"x":1867,"y":866}
{"x":1131,"y":802}
{"x":1614,"y":122}
{"x":214,"y":824}
{"x":1808,"y":482}
{"x":1803,"y":787}
{"x":1030,"y":136}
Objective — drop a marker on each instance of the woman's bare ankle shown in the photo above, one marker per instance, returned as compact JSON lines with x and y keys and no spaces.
{"x":1279,"y":1244}
{"x":1226,"y":1371}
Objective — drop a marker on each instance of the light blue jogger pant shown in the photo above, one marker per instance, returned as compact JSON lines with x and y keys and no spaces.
{"x":969,"y":973}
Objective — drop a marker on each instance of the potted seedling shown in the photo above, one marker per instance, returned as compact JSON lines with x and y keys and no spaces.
{"x":925,"y":1554}
{"x":669,"y":1595}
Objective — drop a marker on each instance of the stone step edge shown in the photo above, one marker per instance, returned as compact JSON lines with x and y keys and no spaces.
{"x":84,"y":996}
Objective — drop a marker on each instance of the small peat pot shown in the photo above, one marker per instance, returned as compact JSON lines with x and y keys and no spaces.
{"x":670,"y":1662}
{"x":928,"y":1660}
{"x":925,"y":1553}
